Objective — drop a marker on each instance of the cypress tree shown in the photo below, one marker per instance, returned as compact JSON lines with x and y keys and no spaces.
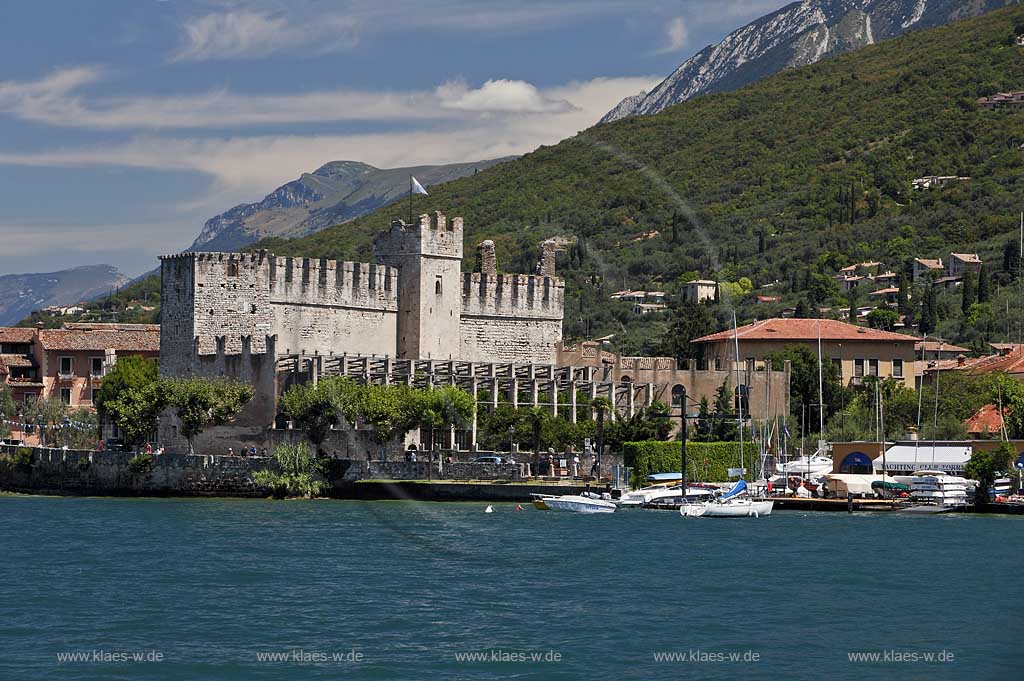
{"x":929,"y":310}
{"x":984,"y":285}
{"x":969,"y":291}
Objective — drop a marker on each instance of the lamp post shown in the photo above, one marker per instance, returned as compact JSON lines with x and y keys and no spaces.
{"x":682,"y":438}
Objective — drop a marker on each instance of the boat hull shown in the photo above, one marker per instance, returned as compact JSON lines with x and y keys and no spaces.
{"x":737,"y":509}
{"x":577,"y":504}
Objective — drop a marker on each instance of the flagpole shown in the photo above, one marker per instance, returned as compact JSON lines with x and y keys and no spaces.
{"x":410,"y":199}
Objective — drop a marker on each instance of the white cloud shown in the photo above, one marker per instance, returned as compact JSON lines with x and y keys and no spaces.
{"x":676,"y":35}
{"x":54,"y":101}
{"x":247,"y":34}
{"x":247,"y":167}
{"x":270,"y":27}
{"x":499,"y":96}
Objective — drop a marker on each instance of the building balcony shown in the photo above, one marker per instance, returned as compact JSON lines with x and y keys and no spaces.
{"x":66,"y":376}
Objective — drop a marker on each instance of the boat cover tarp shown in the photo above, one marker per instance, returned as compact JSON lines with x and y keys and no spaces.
{"x":738,"y":488}
{"x":944,"y":456}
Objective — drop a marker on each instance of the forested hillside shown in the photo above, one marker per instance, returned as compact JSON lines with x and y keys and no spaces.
{"x":788,"y":178}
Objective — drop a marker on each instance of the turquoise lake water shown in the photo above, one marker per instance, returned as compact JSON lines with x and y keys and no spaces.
{"x":400,"y":590}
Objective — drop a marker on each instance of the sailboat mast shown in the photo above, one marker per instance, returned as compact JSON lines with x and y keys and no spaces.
{"x":821,"y":390}
{"x":739,"y":393}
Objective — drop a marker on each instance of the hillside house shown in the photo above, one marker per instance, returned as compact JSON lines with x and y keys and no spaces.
{"x":699,"y":291}
{"x":926,"y":266}
{"x":931,"y":181}
{"x":855,"y":350}
{"x":889,"y":296}
{"x":1003,"y":100}
{"x":959,"y":263}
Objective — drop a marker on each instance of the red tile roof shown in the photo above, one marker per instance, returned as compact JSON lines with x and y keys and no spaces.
{"x":936,"y":346}
{"x":806,"y":330}
{"x":986,"y":420}
{"x":116,"y":339}
{"x":16,"y":334}
{"x":1012,"y":363}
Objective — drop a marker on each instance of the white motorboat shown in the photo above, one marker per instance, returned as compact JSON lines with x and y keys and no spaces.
{"x":579,"y":504}
{"x":937,"y":487}
{"x":733,"y":504}
{"x":806,"y":466}
{"x":639,"y":497}
{"x":656,"y":494}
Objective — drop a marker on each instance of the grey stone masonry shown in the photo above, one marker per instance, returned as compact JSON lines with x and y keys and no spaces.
{"x":233,"y":314}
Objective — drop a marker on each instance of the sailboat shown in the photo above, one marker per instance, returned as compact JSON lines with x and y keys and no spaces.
{"x":736,"y":503}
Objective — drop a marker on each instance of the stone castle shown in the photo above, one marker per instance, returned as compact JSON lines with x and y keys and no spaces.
{"x":414,"y":302}
{"x":412,"y":317}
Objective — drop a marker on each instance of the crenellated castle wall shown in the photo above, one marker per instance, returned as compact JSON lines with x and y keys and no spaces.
{"x":325,"y":306}
{"x":510,"y":317}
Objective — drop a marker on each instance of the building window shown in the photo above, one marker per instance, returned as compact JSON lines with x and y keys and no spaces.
{"x":872,"y":367}
{"x":437,"y":286}
{"x":96,"y":366}
{"x":897,"y":368}
{"x":65,"y":395}
{"x":92,"y":395}
{"x":858,"y":368}
{"x":67,"y":366}
{"x":838,"y":363}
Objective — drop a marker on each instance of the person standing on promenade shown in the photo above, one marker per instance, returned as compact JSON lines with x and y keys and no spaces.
{"x":575,"y":465}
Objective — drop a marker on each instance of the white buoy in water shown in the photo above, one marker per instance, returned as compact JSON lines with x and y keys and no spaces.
{"x":489,"y":509}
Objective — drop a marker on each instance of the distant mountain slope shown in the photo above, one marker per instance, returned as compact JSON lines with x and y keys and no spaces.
{"x":20,"y":294}
{"x":800,"y":33}
{"x":334,"y":193}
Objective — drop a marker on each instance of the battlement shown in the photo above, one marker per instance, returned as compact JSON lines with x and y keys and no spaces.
{"x":433,"y":235}
{"x":321,"y":281}
{"x":512,"y":295}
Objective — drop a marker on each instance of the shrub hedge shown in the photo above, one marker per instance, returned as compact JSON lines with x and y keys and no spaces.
{"x":706,"y":461}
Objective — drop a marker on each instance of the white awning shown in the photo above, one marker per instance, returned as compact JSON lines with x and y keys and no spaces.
{"x":925,"y":456}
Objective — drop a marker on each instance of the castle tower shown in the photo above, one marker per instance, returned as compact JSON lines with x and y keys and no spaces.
{"x":428,"y":256}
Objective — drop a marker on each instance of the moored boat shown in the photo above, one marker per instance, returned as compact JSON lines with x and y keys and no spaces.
{"x":579,"y":504}
{"x":735,"y":503}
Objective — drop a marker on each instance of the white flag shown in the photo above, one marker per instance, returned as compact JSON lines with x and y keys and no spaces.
{"x":416,"y":187}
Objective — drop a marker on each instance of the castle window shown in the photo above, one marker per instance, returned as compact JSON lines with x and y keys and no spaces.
{"x":437,"y":285}
{"x":232,"y":269}
{"x":252,"y":308}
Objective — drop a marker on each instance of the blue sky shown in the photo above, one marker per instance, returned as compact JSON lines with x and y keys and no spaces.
{"x":124,"y":125}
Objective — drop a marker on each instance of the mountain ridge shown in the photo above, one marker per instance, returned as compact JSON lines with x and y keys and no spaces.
{"x":334,"y":193}
{"x":797,"y":34}
{"x":21,"y":294}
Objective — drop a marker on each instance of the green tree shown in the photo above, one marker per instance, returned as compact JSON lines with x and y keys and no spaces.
{"x":390,"y":409}
{"x":803,"y":380}
{"x":131,"y":399}
{"x":318,"y":408}
{"x":8,"y":409}
{"x":929,"y":310}
{"x":968,"y":291}
{"x":984,"y":285}
{"x":986,"y":466}
{"x":442,"y":409}
{"x":203,"y":402}
{"x":690,"y":320}
{"x":883,"y":317}
{"x":852,"y":296}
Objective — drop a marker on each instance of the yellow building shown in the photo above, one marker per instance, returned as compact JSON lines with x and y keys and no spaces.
{"x":857,"y":351}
